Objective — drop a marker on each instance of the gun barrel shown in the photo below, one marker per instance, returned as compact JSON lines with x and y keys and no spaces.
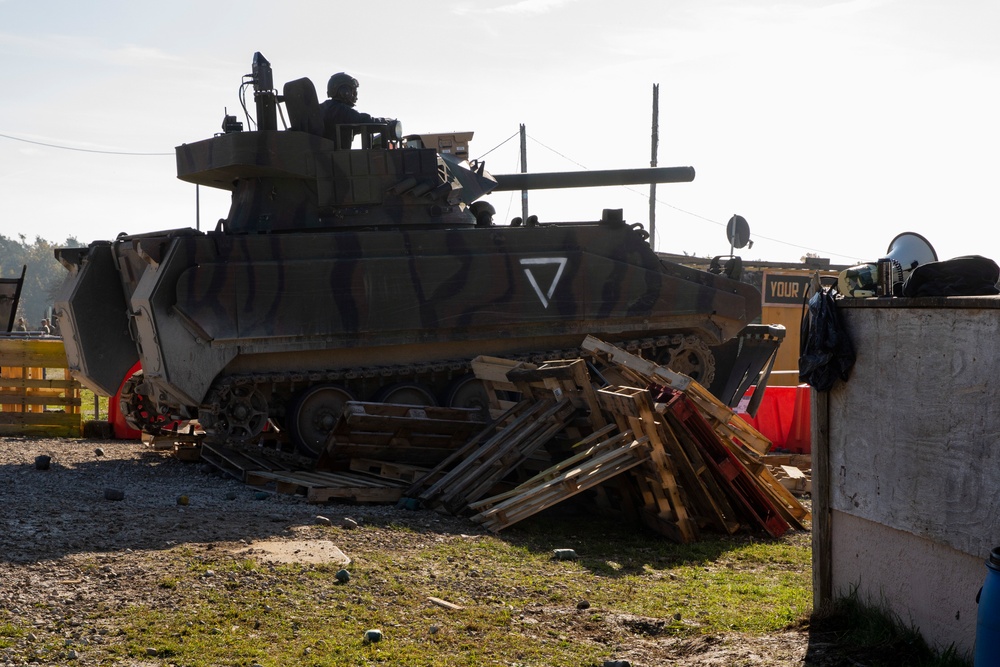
{"x":590,"y":179}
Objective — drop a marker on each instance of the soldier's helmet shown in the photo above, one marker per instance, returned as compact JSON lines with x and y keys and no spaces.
{"x":337,"y":80}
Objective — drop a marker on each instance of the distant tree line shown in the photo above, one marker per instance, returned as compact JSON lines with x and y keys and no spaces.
{"x":43,"y":274}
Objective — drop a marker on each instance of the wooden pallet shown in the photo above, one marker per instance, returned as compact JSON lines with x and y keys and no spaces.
{"x":746,"y":492}
{"x":323,"y":486}
{"x":708,"y":504}
{"x":500,"y":391}
{"x":561,"y":378}
{"x":416,"y":435}
{"x":724,"y":420}
{"x":665,"y":508}
{"x":513,"y":414}
{"x":595,"y":465}
{"x":38,"y":396}
{"x":587,"y":447}
{"x":237,"y":463}
{"x":389,"y":470}
{"x":477,"y":469}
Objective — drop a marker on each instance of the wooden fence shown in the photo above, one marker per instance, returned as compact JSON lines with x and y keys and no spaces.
{"x":38,"y":396}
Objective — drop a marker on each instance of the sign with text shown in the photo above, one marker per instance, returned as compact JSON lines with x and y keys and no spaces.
{"x":784,"y":289}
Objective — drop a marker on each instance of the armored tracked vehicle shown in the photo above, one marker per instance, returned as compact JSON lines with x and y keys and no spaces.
{"x":369,"y":271}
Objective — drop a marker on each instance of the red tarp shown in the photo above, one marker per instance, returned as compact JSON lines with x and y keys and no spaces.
{"x":783,"y":418}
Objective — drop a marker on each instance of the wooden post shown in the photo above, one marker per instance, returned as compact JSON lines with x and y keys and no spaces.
{"x":524,"y":170}
{"x":822,"y":536}
{"x":652,"y":163}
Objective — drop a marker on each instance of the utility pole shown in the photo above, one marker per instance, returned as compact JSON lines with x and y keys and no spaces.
{"x":652,"y":163}
{"x":524,"y":170}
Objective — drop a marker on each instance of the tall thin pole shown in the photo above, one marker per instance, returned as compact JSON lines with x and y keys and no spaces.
{"x":652,"y":163}
{"x":524,"y":170}
{"x":197,"y":207}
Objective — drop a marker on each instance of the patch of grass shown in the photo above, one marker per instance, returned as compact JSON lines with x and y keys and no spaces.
{"x":518,"y":605}
{"x":9,"y":633}
{"x":87,"y":405}
{"x":872,"y":634}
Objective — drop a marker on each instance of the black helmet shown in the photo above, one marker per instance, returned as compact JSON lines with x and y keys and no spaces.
{"x":337,"y":80}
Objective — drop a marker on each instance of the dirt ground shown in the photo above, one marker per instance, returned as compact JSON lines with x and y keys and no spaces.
{"x":53,"y":521}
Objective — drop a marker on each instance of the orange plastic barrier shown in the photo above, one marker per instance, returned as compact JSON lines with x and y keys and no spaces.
{"x":784,"y":418}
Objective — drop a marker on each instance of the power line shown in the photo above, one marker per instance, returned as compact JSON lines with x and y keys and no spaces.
{"x":549,"y":148}
{"x":498,"y":145}
{"x":694,"y":215}
{"x":79,"y":150}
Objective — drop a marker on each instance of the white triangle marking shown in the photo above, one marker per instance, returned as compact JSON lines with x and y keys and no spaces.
{"x":534,"y":261}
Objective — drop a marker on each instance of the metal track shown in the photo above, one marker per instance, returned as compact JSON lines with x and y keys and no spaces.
{"x":232,"y":404}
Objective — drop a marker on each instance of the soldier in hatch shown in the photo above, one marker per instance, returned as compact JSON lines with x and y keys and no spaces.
{"x":342,"y":89}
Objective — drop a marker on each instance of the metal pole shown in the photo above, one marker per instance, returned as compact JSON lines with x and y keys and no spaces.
{"x":197,"y":207}
{"x":652,"y":163}
{"x":524,"y":170}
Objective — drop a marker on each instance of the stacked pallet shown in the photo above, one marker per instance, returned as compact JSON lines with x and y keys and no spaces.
{"x":635,"y":437}
{"x":656,"y":441}
{"x":373,"y":453}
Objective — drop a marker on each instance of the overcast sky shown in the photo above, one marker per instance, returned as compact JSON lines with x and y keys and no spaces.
{"x":830,"y":126}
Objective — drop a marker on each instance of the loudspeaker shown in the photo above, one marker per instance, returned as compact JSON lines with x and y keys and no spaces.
{"x":910,"y":250}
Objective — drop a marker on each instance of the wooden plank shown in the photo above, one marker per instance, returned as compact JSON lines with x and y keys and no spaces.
{"x":532,"y":502}
{"x":494,"y":369}
{"x":744,"y":489}
{"x":373,"y":495}
{"x":222,"y":465}
{"x":579,"y":478}
{"x":782,"y":498}
{"x":435,"y":473}
{"x":695,"y":475}
{"x":423,"y":412}
{"x":34,"y":353}
{"x":700,"y":481}
{"x":34,"y":398}
{"x":445,"y":604}
{"x":477,"y":449}
{"x":388,"y":470}
{"x":236,"y":462}
{"x":40,"y":418}
{"x":577,"y":378}
{"x":706,"y":401}
{"x":501,"y":463}
{"x":320,"y":478}
{"x":659,"y":488}
{"x":24,"y":365}
{"x":801,"y":461}
{"x":661,"y":374}
{"x":321,"y":487}
{"x":42,"y":383}
{"x":560,"y":467}
{"x":42,"y":430}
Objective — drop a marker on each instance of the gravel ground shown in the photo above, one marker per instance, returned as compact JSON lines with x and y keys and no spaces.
{"x":56,"y":523}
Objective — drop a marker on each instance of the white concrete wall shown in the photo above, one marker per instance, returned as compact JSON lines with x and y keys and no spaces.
{"x":910,"y":488}
{"x":928,"y":585}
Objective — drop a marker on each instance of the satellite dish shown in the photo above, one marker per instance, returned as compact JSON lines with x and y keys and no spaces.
{"x":738,"y":231}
